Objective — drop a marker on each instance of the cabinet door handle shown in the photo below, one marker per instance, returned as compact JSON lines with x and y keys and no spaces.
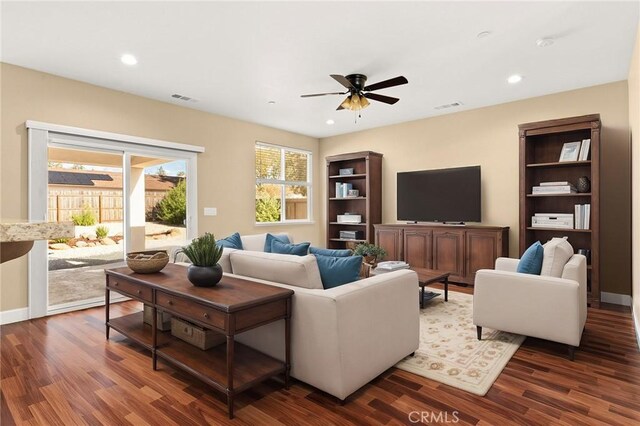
{"x":169,"y":303}
{"x":139,"y":291}
{"x":206,"y":315}
{"x":115,"y":283}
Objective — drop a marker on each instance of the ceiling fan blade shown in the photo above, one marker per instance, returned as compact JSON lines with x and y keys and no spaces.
{"x":342,"y":80}
{"x":397,"y":81}
{"x":339,"y":107}
{"x":381,"y":98}
{"x":323,"y":94}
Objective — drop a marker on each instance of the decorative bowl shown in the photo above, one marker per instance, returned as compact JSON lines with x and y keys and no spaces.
{"x":147,"y":262}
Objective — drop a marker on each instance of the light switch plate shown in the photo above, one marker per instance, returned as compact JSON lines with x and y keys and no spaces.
{"x":210,"y":211}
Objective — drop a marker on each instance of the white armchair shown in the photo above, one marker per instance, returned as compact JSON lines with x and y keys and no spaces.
{"x":532,"y":305}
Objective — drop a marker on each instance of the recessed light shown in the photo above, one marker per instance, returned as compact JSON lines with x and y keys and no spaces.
{"x":128,"y":59}
{"x":484,"y":34}
{"x":330,"y":122}
{"x":271,"y":102}
{"x":544,"y":42}
{"x":516,"y":78}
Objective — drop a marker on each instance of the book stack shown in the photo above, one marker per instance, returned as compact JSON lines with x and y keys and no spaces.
{"x":342,"y":189}
{"x":546,"y":188}
{"x":583,"y":216}
{"x":393,"y":265}
{"x":552,"y":220}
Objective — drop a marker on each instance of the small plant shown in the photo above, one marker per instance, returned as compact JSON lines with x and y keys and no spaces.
{"x":102,"y":232}
{"x":203,"y":251}
{"x":86,"y":218}
{"x":60,"y":240}
{"x":369,"y":250}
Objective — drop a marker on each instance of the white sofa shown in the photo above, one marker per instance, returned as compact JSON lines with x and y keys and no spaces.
{"x":341,"y":338}
{"x":545,"y":307}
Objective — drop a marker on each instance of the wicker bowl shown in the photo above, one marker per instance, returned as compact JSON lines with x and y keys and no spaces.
{"x":147,"y":262}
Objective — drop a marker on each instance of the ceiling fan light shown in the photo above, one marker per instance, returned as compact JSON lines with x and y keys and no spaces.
{"x":346,"y":104}
{"x":364,"y":102}
{"x":355,"y":102}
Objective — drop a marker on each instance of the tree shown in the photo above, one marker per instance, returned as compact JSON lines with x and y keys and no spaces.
{"x":172,"y":209}
{"x":161,"y":171}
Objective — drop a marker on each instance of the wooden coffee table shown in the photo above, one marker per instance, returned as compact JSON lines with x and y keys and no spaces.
{"x":429,"y":276}
{"x":230,"y":308}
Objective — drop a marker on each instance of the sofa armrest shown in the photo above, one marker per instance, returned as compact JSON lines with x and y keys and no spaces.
{"x":539,"y":306}
{"x":507,"y":264}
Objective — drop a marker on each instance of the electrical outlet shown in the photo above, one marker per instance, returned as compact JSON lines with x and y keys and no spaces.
{"x":210,"y":211}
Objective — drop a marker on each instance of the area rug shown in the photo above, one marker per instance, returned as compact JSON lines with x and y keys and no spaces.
{"x":450,"y":352}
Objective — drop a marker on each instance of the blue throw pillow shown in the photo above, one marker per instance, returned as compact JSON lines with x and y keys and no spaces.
{"x":336,"y":271}
{"x":531,"y":260}
{"x":330,"y":252}
{"x":267,"y":241}
{"x":232,"y":241}
{"x":281,"y":248}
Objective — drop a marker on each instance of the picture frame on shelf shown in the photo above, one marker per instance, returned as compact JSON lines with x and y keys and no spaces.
{"x":570,"y":151}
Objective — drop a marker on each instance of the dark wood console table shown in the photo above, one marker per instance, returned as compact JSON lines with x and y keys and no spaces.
{"x":232,"y":307}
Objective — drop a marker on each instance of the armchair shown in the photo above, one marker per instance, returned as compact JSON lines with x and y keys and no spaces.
{"x":545,"y":307}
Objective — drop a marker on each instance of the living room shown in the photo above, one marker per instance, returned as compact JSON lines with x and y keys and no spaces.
{"x":72,"y":82}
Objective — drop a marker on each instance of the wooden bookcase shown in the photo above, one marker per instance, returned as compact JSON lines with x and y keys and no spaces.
{"x":366,"y":178}
{"x":540,"y":147}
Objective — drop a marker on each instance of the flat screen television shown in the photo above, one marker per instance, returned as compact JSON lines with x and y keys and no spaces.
{"x":444,"y":195}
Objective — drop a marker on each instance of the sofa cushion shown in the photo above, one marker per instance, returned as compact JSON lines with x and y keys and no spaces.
{"x":301,"y":249}
{"x":557,"y":253}
{"x":232,"y":241}
{"x":330,"y":252}
{"x":531,"y":260}
{"x":298,"y":271}
{"x":269,"y":239}
{"x":256,"y":242}
{"x":336,"y":271}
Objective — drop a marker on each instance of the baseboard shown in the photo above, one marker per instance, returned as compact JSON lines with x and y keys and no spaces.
{"x":14,"y":315}
{"x":636,"y":322}
{"x":615,"y":298}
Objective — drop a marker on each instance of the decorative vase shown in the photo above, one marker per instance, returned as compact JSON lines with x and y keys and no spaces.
{"x":204,"y":276}
{"x":584,"y":184}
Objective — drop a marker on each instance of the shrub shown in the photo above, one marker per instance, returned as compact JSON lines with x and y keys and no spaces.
{"x":172,"y":209}
{"x":86,"y":218}
{"x":102,"y":232}
{"x":267,"y":209}
{"x":61,"y":240}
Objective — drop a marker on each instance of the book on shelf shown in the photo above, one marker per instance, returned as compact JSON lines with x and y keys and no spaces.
{"x":555,"y":189}
{"x":583,"y":216}
{"x":584,"y":150}
{"x":338,"y":189}
{"x":559,"y":183}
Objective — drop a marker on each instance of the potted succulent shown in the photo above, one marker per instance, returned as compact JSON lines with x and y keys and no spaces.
{"x":371,"y":252}
{"x":204,"y":255}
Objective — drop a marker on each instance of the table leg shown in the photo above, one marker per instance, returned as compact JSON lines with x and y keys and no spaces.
{"x":106,"y":310}
{"x":230,"y":394}
{"x":446,"y":289}
{"x":154,"y":338}
{"x":422,"y":297}
{"x":287,"y":340}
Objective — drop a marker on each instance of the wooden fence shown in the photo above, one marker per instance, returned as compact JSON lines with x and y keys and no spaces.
{"x":105,"y":207}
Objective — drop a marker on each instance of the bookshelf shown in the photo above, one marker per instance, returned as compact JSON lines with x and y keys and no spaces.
{"x":540,"y":147}
{"x":367,"y":179}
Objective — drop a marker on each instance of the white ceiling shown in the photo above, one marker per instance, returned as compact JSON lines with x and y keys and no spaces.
{"x":235,"y":57}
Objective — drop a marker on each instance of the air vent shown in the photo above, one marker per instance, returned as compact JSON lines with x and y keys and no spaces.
{"x":183,"y":98}
{"x":451,"y":105}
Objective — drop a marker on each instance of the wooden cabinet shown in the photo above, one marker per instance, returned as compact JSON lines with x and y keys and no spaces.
{"x":418,"y":248}
{"x":448,"y":253}
{"x":367,"y":179}
{"x":391,"y":240}
{"x":460,"y":250}
{"x":540,"y":147}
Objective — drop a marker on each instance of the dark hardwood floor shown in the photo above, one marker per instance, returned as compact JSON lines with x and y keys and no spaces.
{"x":61,"y":371}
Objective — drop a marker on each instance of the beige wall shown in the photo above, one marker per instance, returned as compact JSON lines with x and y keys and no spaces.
{"x":225,"y":170}
{"x":634,"y":124}
{"x":489,"y":137}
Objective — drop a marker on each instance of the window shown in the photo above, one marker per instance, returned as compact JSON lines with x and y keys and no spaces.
{"x":283,"y":184}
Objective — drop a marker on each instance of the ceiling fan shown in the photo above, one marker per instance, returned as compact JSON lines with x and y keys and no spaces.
{"x":359,"y":94}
